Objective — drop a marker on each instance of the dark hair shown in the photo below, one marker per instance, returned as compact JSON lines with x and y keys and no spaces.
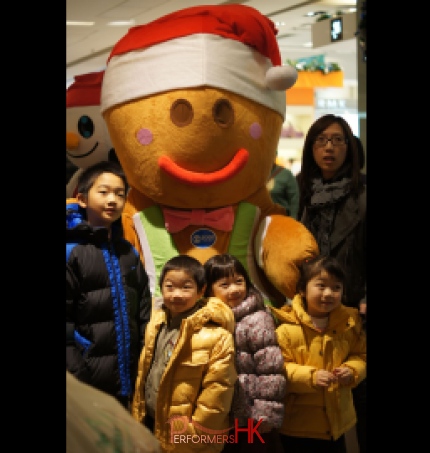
{"x":88,"y":176}
{"x":360,"y":150}
{"x":309,"y":169}
{"x":189,"y":265}
{"x":226,"y":265}
{"x":310,"y":268}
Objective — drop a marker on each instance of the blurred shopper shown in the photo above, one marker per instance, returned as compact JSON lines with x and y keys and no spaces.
{"x":333,"y":208}
{"x":283,"y":188}
{"x":97,"y":423}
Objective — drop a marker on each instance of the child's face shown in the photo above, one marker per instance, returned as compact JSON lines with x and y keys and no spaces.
{"x":323,"y":294}
{"x":105,"y":200}
{"x":231,"y":290}
{"x":179,"y":291}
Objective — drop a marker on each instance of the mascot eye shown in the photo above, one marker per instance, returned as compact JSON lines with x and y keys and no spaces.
{"x":181,"y":112}
{"x":223,"y":113}
{"x":85,"y":126}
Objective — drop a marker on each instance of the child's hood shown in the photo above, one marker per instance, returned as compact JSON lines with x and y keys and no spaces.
{"x":284,"y":314}
{"x":296,"y":314}
{"x":74,"y":213}
{"x":216,"y":311}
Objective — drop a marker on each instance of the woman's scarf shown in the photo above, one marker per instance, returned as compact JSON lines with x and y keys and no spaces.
{"x":322,"y":209}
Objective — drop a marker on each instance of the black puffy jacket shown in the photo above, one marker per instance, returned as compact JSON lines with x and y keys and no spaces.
{"x":108,"y":304}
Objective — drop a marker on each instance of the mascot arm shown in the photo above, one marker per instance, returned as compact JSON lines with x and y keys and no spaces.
{"x":128,"y":224}
{"x":130,"y":233}
{"x":262,"y":199}
{"x":282,"y":244}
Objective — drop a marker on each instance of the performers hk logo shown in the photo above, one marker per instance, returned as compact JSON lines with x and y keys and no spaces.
{"x":179,"y":426}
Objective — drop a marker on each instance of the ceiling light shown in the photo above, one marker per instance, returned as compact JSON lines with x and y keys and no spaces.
{"x":307,"y":44}
{"x":121,"y":23}
{"x":79,"y":23}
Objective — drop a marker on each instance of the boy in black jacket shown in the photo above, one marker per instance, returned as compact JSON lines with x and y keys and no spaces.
{"x":108,"y":301}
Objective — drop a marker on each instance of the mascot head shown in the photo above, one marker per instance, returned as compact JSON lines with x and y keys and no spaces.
{"x":194,"y":103}
{"x":87,"y":138}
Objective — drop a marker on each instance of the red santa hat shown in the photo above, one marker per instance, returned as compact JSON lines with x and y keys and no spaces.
{"x":85,"y":90}
{"x":232,"y":47}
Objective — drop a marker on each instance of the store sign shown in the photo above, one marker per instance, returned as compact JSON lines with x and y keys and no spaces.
{"x":336,"y":29}
{"x":331,"y":103}
{"x":335,"y":104}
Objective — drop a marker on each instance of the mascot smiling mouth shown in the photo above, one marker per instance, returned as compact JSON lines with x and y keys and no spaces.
{"x":195,"y":178}
{"x":83,"y":155}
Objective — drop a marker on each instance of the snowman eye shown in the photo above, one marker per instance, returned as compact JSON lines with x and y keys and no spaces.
{"x":223,"y":113}
{"x":181,"y":112}
{"x":85,"y":126}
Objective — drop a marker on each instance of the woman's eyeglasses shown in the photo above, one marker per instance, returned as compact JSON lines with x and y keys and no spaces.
{"x":336,"y":140}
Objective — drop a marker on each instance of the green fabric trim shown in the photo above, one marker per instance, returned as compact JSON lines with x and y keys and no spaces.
{"x":153,"y":223}
{"x":240,"y":242}
{"x":242,"y":231}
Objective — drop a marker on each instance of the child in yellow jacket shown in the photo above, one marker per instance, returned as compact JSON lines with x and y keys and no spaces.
{"x":186,"y":371}
{"x":324,"y":348}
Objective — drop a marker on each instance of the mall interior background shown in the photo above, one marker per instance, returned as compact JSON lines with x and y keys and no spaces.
{"x":347,"y":98}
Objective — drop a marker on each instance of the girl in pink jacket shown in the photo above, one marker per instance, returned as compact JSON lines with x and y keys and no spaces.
{"x":257,"y":406}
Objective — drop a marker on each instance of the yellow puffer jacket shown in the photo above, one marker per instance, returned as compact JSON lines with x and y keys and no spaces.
{"x":198,"y":382}
{"x":312,"y":411}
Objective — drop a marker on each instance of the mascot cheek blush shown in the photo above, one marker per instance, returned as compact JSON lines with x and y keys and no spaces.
{"x":194,"y":103}
{"x":87,"y":138}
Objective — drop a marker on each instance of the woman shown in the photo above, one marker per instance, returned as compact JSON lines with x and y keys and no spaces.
{"x":333,"y":207}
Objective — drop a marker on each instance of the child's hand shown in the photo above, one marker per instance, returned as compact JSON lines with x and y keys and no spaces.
{"x":324,"y":378}
{"x":345,"y":375}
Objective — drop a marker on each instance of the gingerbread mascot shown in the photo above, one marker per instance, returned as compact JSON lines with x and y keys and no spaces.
{"x":194,"y":104}
{"x":87,"y":138}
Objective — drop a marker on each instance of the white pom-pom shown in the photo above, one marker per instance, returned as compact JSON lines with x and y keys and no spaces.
{"x":281,"y":77}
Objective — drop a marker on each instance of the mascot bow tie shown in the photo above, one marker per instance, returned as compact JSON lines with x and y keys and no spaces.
{"x":176,"y":220}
